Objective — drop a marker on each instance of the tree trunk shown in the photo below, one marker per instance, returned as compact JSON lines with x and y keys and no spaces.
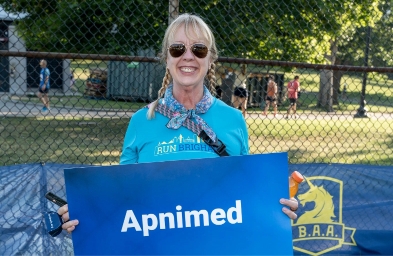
{"x":326,"y":90}
{"x":325,"y":96}
{"x":227,"y":87}
{"x":173,"y":10}
{"x":337,"y":74}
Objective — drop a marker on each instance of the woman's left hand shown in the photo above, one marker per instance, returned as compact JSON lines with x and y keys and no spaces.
{"x":292,"y":205}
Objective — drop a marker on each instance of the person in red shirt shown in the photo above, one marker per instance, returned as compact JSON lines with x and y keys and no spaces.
{"x":293,"y":89}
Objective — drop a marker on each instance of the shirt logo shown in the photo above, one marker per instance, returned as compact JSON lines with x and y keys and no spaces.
{"x":181,"y":144}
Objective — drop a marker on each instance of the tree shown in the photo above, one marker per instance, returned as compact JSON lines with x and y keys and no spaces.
{"x":351,"y":50}
{"x":297,"y":30}
{"x":302,"y":31}
{"x":98,"y":26}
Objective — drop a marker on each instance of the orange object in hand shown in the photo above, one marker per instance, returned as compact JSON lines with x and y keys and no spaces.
{"x":294,"y":180}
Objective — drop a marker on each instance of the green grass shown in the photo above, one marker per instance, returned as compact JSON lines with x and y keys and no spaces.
{"x":99,"y":141}
{"x":379,"y":91}
{"x":86,"y":103}
{"x":81,"y":67}
{"x":352,"y":141}
{"x":60,"y":140}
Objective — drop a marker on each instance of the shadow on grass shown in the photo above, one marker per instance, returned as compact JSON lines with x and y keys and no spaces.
{"x":84,"y":141}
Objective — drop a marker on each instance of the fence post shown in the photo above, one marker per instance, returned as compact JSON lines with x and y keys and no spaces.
{"x":362,"y":110}
{"x":173,"y":10}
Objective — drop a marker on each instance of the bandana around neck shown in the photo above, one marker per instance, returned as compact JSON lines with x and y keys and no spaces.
{"x":180,"y":113}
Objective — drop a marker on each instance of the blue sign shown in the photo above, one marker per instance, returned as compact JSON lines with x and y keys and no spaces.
{"x":227,"y":205}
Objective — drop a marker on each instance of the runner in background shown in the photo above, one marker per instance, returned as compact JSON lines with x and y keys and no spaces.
{"x":293,"y":89}
{"x":271,"y":95}
{"x":43,"y":88}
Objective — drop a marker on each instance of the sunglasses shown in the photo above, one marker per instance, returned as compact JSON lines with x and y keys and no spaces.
{"x":199,"y":50}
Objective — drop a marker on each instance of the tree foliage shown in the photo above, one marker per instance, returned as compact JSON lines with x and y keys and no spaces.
{"x":352,"y":48}
{"x":289,"y":30}
{"x":91,"y":26}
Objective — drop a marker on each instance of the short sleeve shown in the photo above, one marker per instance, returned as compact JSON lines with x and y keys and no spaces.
{"x":129,"y":153}
{"x":244,"y":133}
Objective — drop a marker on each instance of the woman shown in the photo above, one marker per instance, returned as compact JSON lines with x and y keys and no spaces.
{"x":239,"y":98}
{"x":271,"y":95}
{"x":189,"y":52}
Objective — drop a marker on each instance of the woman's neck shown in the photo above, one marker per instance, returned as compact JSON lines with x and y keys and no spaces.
{"x":188,"y":96}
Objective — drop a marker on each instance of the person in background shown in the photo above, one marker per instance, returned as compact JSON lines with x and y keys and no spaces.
{"x":293,"y":89}
{"x":239,"y":98}
{"x":189,"y":52}
{"x":72,"y":81}
{"x":44,"y":86}
{"x":345,"y":91}
{"x":271,"y":95}
{"x":218,"y":92}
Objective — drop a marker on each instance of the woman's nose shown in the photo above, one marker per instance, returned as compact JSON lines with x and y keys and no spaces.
{"x":188,"y":54}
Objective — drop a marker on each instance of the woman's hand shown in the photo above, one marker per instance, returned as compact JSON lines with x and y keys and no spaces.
{"x":292,"y":205}
{"x":68,"y":225}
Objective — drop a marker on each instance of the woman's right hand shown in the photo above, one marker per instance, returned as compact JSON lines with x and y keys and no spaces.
{"x":68,"y":225}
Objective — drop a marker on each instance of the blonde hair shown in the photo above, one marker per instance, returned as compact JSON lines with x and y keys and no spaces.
{"x":192,"y":25}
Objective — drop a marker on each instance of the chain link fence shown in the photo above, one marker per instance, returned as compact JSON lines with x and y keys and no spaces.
{"x":102,"y":58}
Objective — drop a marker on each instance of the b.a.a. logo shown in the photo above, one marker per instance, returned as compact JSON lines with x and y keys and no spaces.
{"x":319,"y":227}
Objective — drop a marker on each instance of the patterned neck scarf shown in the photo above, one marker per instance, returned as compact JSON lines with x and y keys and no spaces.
{"x":180,"y":113}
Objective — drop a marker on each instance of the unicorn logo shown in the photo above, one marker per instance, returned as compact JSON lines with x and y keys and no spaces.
{"x":323,"y":211}
{"x":319,"y":227}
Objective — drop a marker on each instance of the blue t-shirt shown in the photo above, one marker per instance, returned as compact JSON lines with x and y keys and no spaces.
{"x":151,"y":141}
{"x":43,"y":75}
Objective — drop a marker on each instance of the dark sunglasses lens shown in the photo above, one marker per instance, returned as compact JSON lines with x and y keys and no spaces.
{"x":199,"y":50}
{"x":177,"y":50}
